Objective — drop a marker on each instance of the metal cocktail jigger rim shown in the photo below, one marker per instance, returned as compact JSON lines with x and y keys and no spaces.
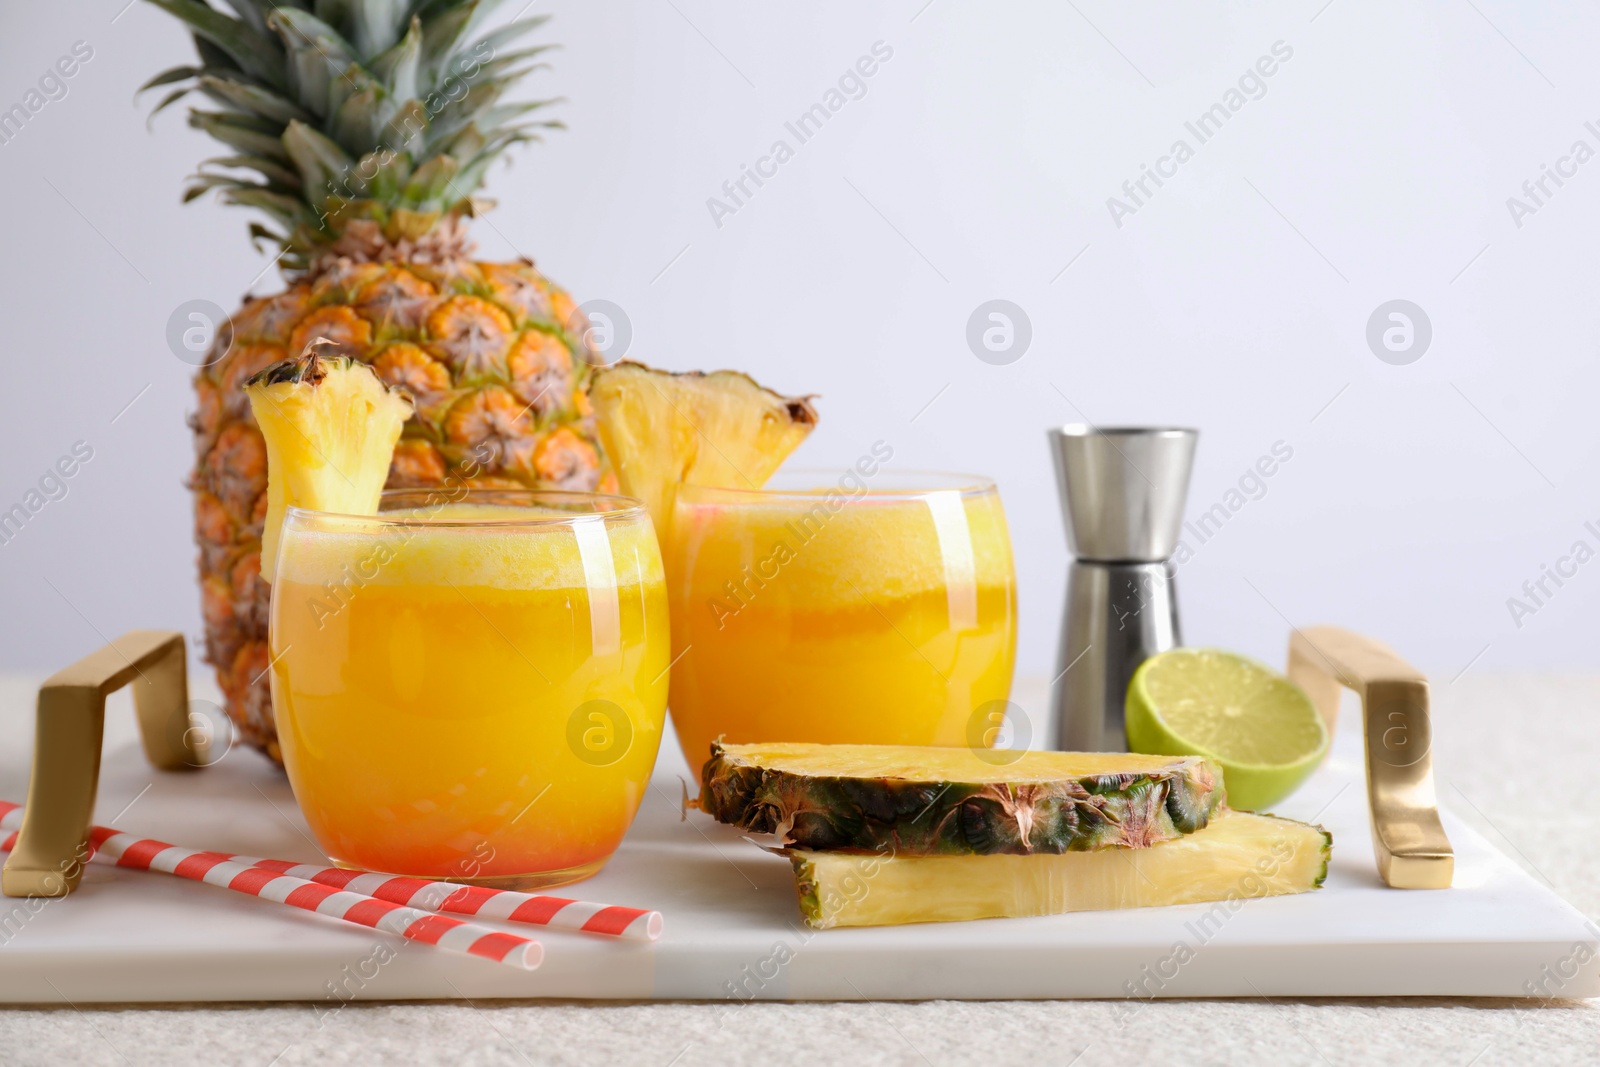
{"x":1084,"y":429}
{"x":1123,"y":502}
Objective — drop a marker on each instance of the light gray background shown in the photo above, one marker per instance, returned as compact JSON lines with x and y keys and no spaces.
{"x":1376,"y":166}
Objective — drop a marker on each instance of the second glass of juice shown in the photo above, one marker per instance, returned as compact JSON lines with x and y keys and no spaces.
{"x":471,"y":687}
{"x":838,"y":608}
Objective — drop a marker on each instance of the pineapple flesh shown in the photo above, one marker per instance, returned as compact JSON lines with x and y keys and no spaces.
{"x":924,"y":801}
{"x":361,"y":132}
{"x":1238,"y":856}
{"x":330,"y":427}
{"x":662,"y":430}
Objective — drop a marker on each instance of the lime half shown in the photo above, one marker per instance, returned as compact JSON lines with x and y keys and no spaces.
{"x":1261,"y":727}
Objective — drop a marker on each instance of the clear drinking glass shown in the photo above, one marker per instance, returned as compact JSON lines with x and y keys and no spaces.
{"x":471,"y":685}
{"x":841,"y":608}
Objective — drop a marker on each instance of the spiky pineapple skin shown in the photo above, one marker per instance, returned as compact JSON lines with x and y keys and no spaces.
{"x":933,"y":818}
{"x":493,"y":355}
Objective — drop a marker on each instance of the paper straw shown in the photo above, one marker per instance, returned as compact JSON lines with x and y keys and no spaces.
{"x":215,"y":868}
{"x":505,"y":905}
{"x":560,"y":913}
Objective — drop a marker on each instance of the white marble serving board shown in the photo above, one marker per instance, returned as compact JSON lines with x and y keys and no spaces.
{"x":732,"y":928}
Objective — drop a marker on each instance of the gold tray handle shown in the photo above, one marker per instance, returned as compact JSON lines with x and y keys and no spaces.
{"x":50,"y":852}
{"x":1409,"y":840}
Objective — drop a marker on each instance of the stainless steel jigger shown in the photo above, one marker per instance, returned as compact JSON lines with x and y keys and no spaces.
{"x":1122,"y":492}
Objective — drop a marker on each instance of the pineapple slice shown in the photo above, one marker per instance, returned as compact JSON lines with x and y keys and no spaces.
{"x":915,"y":801}
{"x":1238,"y":856}
{"x":330,"y":425}
{"x":718,"y":429}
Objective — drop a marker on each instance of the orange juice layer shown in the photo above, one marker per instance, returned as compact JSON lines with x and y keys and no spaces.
{"x":470,"y":703}
{"x":875,"y":623}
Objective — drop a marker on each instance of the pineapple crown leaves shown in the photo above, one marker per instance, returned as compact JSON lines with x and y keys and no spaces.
{"x":334,"y":110}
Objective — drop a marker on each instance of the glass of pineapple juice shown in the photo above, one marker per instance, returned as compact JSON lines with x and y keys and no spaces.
{"x":841,"y":609}
{"x":471,"y":685}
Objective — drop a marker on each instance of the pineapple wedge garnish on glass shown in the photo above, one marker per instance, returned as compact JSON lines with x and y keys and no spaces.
{"x":330,"y":426}
{"x":723,"y":429}
{"x":362,"y":133}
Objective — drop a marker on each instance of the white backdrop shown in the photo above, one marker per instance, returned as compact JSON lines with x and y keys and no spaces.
{"x":1375,"y":163}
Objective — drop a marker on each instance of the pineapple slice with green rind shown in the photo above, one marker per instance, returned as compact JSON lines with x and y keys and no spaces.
{"x":330,"y":426}
{"x":1239,"y":856}
{"x":662,"y":430}
{"x":925,"y":801}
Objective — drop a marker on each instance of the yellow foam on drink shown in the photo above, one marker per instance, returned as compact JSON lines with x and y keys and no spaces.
{"x":503,"y":548}
{"x":884,"y":548}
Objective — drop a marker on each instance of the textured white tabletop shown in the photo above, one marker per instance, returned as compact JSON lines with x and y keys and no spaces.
{"x":1515,"y":757}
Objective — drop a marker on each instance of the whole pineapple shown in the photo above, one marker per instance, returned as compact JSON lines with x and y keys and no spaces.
{"x":362,"y":129}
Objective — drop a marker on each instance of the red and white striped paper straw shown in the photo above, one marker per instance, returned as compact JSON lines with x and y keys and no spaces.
{"x":537,"y":909}
{"x":215,"y":868}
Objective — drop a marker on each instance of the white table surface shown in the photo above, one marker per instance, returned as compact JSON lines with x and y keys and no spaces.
{"x":1515,"y":757}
